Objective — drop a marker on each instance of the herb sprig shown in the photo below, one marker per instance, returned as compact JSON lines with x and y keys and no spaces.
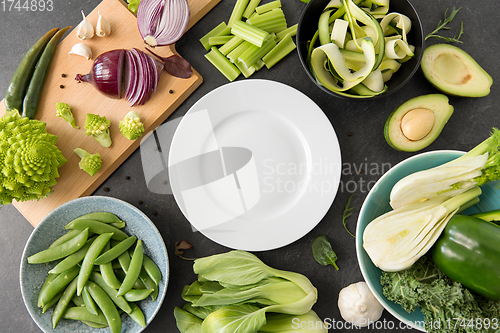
{"x":347,"y":213}
{"x":442,"y":25}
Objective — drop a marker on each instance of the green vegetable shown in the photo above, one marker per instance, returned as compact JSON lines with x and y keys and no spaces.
{"x":98,"y":127}
{"x":105,"y":217}
{"x":21,"y":78}
{"x":32,"y":96}
{"x":131,"y":126}
{"x":63,"y":110}
{"x":443,"y":26}
{"x":97,"y":227}
{"x":82,"y":314}
{"x":112,"y":292}
{"x":323,"y":252}
{"x":88,"y":302}
{"x":446,"y":305}
{"x":491,"y":216}
{"x":115,"y":251}
{"x":60,"y":251}
{"x":29,"y":159}
{"x":57,"y":285}
{"x":135,"y":295}
{"x":107,"y":307}
{"x":73,"y":259}
{"x":134,"y":269}
{"x":347,"y":213}
{"x":228,"y":69}
{"x":468,"y":252}
{"x":133,"y":5}
{"x":137,"y":315}
{"x":90,"y":163}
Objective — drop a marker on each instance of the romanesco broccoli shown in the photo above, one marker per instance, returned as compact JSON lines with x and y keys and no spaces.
{"x":29,"y":159}
{"x":63,"y":110}
{"x":90,"y":163}
{"x":131,"y":126}
{"x":98,"y":127}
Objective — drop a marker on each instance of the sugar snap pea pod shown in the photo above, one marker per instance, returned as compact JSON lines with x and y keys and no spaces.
{"x":61,"y":250}
{"x":57,"y":285}
{"x":119,"y":225}
{"x":88,"y":301}
{"x":115,"y":251}
{"x":118,"y":300}
{"x":124,"y":260}
{"x":78,"y":300}
{"x":120,"y":274}
{"x":108,"y":273}
{"x":94,"y":325}
{"x":135,"y":295}
{"x":66,"y":237}
{"x":134,"y":269}
{"x":63,"y":302}
{"x":33,"y":93}
{"x":87,"y":264}
{"x":48,"y":281}
{"x":137,"y":315}
{"x":105,"y":217}
{"x":97,"y":228}
{"x":152,"y":269}
{"x":73,"y":259}
{"x":52,"y":302}
{"x":116,"y":265}
{"x":107,"y":307}
{"x":149,"y":284}
{"x":20,"y":80}
{"x":80,"y":313}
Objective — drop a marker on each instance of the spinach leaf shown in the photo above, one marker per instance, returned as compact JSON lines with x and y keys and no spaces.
{"x":323,"y":252}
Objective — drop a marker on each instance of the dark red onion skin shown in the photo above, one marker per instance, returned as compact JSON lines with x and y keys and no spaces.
{"x":106,"y":73}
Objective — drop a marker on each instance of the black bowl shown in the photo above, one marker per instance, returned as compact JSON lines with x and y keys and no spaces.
{"x":308,"y":24}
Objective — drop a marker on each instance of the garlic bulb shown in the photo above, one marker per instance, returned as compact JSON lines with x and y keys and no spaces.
{"x":85,"y":29}
{"x":103,"y":28}
{"x":81,"y":50}
{"x":358,"y":305}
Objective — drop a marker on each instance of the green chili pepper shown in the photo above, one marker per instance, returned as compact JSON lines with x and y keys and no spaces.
{"x":80,"y":313}
{"x":72,"y":259}
{"x":20,"y":80}
{"x":134,"y":269}
{"x":137,"y":315}
{"x":57,"y":285}
{"x":107,"y":307}
{"x":63,"y":302}
{"x":32,"y":97}
{"x":97,"y":228}
{"x":87,"y":264}
{"x":119,"y":301}
{"x":115,"y":251}
{"x":152,"y":269}
{"x":60,"y":251}
{"x":135,"y":295}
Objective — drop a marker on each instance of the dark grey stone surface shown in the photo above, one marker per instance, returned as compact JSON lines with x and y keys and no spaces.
{"x":470,"y":124}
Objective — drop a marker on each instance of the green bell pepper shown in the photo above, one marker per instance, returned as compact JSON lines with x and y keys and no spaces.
{"x":468,"y":251}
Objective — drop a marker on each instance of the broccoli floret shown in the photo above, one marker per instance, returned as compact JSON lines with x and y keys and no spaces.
{"x":90,"y":163}
{"x":29,"y":159}
{"x":98,"y":127}
{"x":63,"y":110}
{"x":131,"y":126}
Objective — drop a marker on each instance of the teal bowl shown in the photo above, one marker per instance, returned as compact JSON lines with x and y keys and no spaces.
{"x":377,"y":203}
{"x":51,"y":227}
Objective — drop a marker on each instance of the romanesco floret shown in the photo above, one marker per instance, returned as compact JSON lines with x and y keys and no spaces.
{"x":29,"y":159}
{"x":90,"y":163}
{"x":63,"y":110}
{"x":131,"y":126}
{"x":98,"y":127}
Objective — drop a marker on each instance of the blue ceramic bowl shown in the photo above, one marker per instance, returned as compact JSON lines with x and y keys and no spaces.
{"x":51,"y":227}
{"x":377,"y":203}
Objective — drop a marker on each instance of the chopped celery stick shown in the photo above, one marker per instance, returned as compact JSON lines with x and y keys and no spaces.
{"x":258,"y":64}
{"x":284,"y":47}
{"x":249,"y":33}
{"x":292,"y":31}
{"x":231,"y":45}
{"x":237,"y":12}
{"x":250,"y":10}
{"x":268,"y":6}
{"x":219,"y":40}
{"x":230,"y":71}
{"x":220,"y":30}
{"x":234,"y":54}
{"x":247,"y":72}
{"x":253,"y":53}
{"x":272,"y":21}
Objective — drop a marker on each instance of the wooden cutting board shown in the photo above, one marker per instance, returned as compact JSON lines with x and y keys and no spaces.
{"x":83,"y":99}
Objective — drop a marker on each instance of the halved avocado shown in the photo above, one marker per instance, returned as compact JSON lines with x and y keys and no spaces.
{"x":416,"y":123}
{"x":454,"y":71}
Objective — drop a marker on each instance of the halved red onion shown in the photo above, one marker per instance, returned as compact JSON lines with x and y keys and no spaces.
{"x":162,"y":22}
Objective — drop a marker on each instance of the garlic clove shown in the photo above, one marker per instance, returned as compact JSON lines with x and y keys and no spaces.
{"x":85,"y":29}
{"x":103,"y":28}
{"x":81,"y":50}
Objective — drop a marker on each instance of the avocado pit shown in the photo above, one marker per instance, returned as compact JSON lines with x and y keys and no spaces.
{"x":416,"y":124}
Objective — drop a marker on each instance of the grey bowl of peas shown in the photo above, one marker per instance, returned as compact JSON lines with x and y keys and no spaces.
{"x":94,"y":264}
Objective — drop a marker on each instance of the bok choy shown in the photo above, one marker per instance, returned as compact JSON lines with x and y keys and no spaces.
{"x":237,"y":293}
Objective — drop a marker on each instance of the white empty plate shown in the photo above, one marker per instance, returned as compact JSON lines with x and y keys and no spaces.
{"x":254,"y":165}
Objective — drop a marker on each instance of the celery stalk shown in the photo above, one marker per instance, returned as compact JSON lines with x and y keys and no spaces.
{"x":237,"y":12}
{"x":249,"y":33}
{"x":253,"y":53}
{"x":272,"y":21}
{"x":247,"y":72}
{"x":231,"y":45}
{"x":284,"y":47}
{"x":219,"y":40}
{"x":250,"y":10}
{"x":268,"y":6}
{"x":292,"y":31}
{"x":234,"y":54}
{"x":220,"y":30}
{"x":230,"y":71}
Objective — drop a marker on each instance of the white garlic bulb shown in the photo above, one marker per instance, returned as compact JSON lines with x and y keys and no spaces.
{"x":358,"y":306}
{"x":85,"y":29}
{"x":103,"y":28}
{"x":81,"y":50}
